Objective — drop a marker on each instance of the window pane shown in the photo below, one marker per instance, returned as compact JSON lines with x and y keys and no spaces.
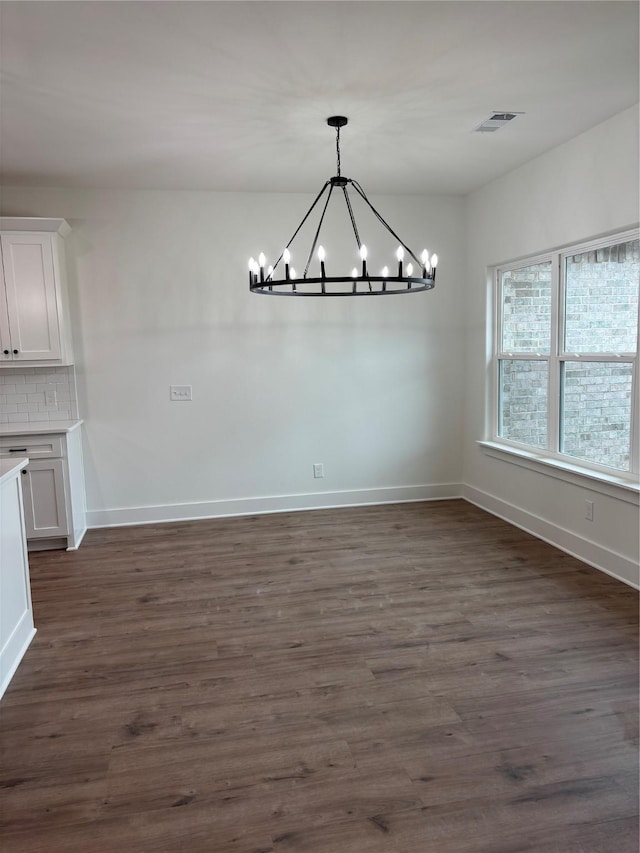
{"x":526,"y":309}
{"x":601,"y":302}
{"x":523,"y":401}
{"x":597,"y":413}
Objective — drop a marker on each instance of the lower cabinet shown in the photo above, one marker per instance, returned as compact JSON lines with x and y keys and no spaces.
{"x":52,"y":488}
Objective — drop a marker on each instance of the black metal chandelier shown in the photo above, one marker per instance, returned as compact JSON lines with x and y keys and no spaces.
{"x":360,"y":282}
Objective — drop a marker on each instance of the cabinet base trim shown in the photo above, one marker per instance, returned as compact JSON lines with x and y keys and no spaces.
{"x":278,"y":503}
{"x":59,"y":542}
{"x":15,"y":648}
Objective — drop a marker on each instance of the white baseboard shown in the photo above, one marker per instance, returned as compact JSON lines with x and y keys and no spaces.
{"x":14,"y":649}
{"x":617,"y":565}
{"x":278,"y":503}
{"x":78,"y":537}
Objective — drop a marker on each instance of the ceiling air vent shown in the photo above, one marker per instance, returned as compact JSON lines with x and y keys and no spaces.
{"x":495,"y":122}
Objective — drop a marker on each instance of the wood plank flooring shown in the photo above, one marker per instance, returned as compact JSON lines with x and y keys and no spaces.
{"x":418,"y":678}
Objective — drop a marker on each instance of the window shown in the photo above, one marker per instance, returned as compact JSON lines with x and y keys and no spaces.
{"x":565,"y":374}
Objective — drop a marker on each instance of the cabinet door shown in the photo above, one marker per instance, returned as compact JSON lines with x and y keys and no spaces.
{"x":43,"y":489}
{"x":32,"y":306}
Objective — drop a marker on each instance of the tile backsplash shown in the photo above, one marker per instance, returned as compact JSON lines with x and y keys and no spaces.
{"x":38,"y":394}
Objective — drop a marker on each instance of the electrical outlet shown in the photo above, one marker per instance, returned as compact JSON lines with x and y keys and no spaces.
{"x":588,"y":513}
{"x":180,"y":393}
{"x":50,"y":397}
{"x":318,"y":470}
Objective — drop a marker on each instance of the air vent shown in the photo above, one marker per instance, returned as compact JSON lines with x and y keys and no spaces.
{"x":496,"y":121}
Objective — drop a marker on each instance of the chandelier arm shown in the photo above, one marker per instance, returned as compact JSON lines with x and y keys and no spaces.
{"x":315,"y":239}
{"x":351,"y":216}
{"x":362,"y":193}
{"x":306,"y":216}
{"x":355,"y":227}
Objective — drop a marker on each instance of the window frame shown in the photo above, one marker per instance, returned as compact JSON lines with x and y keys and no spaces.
{"x":556,"y":357}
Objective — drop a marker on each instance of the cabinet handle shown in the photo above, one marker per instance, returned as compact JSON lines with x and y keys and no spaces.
{"x":6,"y":352}
{"x":15,"y":352}
{"x":17,"y":450}
{"x":24,"y":470}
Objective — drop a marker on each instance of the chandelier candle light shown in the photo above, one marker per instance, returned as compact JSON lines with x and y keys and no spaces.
{"x":371,"y":285}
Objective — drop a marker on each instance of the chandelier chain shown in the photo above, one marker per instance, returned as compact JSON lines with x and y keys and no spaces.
{"x":338,"y":148}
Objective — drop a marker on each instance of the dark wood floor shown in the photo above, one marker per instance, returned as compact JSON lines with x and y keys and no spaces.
{"x":420,"y":678}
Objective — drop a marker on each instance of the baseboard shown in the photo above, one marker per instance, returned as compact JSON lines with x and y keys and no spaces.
{"x":78,"y":537}
{"x":14,"y":649}
{"x":617,"y":565}
{"x":277,"y":503}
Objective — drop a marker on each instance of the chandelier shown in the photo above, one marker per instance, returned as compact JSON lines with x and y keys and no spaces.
{"x":360,"y":282}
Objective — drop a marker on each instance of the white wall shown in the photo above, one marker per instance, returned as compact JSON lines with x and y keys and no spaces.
{"x":584,"y":188}
{"x":370,"y":387}
{"x":376,"y":389}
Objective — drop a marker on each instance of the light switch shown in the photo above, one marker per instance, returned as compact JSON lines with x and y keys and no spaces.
{"x":180,"y":393}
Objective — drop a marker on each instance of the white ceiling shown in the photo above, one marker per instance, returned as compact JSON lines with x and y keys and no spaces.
{"x":234,"y":95}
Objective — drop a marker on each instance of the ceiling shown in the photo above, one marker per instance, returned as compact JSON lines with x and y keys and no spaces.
{"x":234,"y":95}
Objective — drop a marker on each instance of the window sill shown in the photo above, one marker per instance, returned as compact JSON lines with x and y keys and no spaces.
{"x":620,"y":488}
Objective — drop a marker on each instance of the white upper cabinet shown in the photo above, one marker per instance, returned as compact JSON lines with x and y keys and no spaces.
{"x":33,"y":301}
{"x":31,"y":324}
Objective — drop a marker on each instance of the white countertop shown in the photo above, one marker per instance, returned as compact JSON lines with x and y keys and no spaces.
{"x":9,"y":467}
{"x":39,"y":427}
